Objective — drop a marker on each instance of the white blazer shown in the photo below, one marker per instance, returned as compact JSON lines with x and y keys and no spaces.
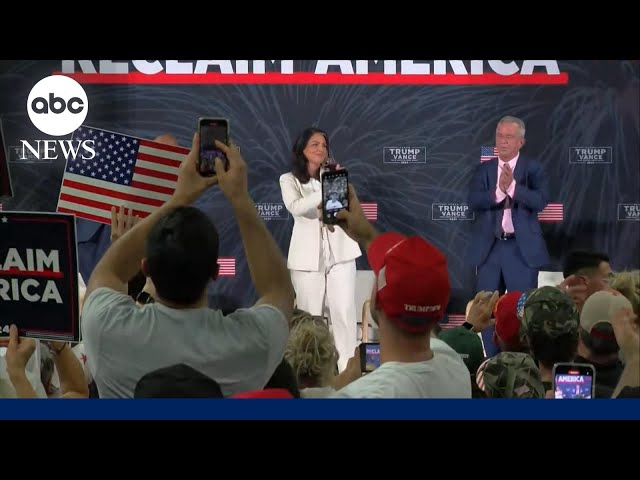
{"x":304,"y":249}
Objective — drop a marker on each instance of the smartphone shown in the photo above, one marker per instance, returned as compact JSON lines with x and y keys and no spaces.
{"x":574,"y":380}
{"x":335,"y":194}
{"x":369,"y":356}
{"x":211,"y":129}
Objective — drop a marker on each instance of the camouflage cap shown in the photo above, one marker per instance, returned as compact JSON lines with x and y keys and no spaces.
{"x":510,"y":375}
{"x":550,"y":311}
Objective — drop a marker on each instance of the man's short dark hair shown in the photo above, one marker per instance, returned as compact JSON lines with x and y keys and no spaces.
{"x":182,"y":255}
{"x":177,"y":381}
{"x":548,"y":351}
{"x":581,"y":260}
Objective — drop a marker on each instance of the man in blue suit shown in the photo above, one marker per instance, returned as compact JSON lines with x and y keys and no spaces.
{"x":507,"y":247}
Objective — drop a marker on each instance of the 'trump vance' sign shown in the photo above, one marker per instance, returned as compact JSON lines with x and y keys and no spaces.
{"x":39,"y":275}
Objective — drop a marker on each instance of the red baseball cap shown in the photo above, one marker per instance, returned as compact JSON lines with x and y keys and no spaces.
{"x":412,"y":280}
{"x":507,"y":322}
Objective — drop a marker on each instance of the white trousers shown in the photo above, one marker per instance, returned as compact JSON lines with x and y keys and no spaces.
{"x":338,"y":282}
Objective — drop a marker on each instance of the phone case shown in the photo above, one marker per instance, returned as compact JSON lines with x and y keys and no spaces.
{"x":332,"y":204}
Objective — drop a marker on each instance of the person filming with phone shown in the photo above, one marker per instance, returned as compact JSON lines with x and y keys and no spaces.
{"x":177,"y":246}
{"x":410,"y":294}
{"x":322,"y":263}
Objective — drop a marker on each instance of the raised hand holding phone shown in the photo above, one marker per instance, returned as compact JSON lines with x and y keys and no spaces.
{"x":210,"y":130}
{"x":232,"y":174}
{"x":369,"y":356}
{"x":335,"y":194}
{"x":191,"y":183}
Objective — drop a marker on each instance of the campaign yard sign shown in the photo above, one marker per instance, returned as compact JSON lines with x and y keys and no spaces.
{"x":39,"y":275}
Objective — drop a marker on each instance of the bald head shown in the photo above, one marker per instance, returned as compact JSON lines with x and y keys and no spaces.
{"x":167,"y":139}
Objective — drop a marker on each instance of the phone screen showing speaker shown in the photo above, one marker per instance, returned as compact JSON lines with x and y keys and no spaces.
{"x":335,"y":194}
{"x":573,"y":380}
{"x":212,"y":129}
{"x":369,"y":357}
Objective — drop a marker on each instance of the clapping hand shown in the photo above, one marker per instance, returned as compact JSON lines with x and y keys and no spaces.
{"x":122,"y":222}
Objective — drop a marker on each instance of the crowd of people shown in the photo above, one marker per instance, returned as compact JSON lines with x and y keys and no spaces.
{"x":149,"y":328}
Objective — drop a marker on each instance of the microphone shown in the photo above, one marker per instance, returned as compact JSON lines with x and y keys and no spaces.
{"x":328,"y":165}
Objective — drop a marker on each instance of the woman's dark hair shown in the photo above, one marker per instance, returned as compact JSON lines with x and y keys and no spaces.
{"x":299,"y":166}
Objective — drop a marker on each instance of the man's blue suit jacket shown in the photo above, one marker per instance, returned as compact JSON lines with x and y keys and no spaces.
{"x":530,"y":197}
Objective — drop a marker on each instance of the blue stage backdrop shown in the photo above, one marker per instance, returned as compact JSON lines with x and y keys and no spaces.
{"x":409,"y":149}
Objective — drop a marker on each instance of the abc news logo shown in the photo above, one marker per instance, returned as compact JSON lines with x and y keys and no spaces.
{"x":57,"y":106}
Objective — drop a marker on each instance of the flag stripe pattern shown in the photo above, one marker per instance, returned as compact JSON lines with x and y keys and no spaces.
{"x":455,"y":320}
{"x":488,"y":153}
{"x":370,"y":210}
{"x":480,"y":374}
{"x":553,"y":212}
{"x":137,"y":173}
{"x":227,"y":266}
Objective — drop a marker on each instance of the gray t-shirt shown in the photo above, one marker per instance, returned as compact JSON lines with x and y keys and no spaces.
{"x":123,"y":342}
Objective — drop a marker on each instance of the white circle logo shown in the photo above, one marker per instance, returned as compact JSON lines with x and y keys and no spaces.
{"x":57,"y":105}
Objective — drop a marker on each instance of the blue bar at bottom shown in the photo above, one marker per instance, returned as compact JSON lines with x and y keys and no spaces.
{"x":319,"y":409}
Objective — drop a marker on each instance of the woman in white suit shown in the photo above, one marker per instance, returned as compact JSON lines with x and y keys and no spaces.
{"x":322,"y":263}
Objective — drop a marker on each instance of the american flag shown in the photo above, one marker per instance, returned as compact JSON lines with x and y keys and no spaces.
{"x":370,"y":210}
{"x":227,"y":266}
{"x":455,"y":320}
{"x":137,"y":173}
{"x":488,"y":153}
{"x":553,"y":212}
{"x":480,"y":374}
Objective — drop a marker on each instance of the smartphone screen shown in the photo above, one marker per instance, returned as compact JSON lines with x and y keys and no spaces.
{"x":369,"y":356}
{"x":212,"y":129}
{"x":335,"y":194}
{"x":573,"y":380}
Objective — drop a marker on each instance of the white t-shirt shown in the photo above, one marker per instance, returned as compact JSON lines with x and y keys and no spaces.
{"x":444,"y":376}
{"x":123,"y":342}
